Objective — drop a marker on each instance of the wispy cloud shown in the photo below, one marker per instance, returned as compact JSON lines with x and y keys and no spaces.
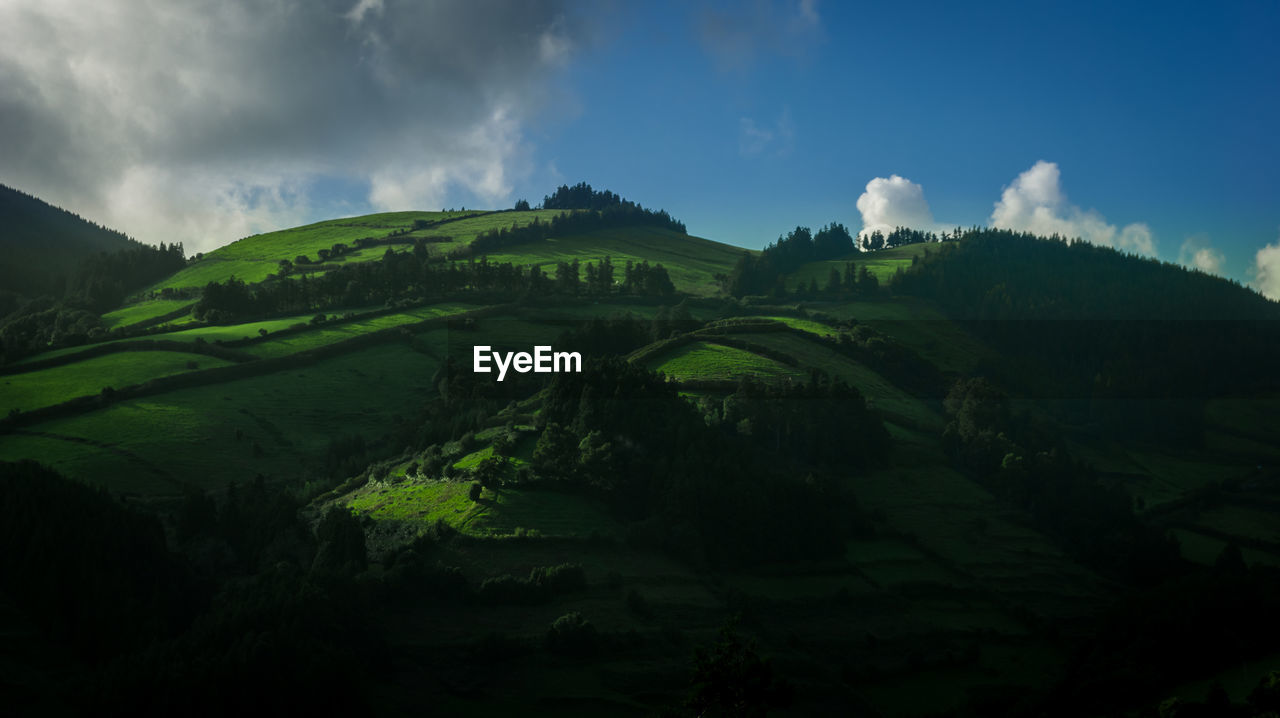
{"x":1198,"y":253}
{"x":777,"y":139}
{"x":736,"y":35}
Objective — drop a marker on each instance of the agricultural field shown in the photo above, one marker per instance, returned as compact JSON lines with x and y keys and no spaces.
{"x":881,"y":394}
{"x":276,"y":424}
{"x":883,"y":264}
{"x":142,"y":311}
{"x":324,"y":334}
{"x":253,"y":258}
{"x":465,"y":230}
{"x":502,"y":512}
{"x":703,"y":361}
{"x":692,"y":262}
{"x":46,"y":387}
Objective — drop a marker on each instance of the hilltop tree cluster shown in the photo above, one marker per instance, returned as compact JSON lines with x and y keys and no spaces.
{"x":417,"y":276}
{"x":763,"y":274}
{"x":567,"y":224}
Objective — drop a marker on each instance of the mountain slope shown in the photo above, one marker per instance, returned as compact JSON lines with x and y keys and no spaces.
{"x":42,"y":243}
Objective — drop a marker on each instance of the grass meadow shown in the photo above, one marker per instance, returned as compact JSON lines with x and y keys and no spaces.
{"x":46,"y":387}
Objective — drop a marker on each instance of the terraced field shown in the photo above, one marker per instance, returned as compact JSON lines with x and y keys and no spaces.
{"x":704,"y":361}
{"x":46,"y":387}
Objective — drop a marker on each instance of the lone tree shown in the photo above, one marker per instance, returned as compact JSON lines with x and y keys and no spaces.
{"x":731,"y":679}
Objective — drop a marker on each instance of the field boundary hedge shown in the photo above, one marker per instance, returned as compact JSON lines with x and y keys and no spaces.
{"x":245,"y":370}
{"x":140,"y":345}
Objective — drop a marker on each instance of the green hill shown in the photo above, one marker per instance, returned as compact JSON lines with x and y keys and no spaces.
{"x":921,"y":494}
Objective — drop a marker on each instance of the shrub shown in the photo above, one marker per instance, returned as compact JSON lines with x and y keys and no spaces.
{"x":572,"y":635}
{"x":509,"y":590}
{"x":560,"y":579}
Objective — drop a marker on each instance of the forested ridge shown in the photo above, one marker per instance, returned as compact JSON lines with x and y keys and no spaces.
{"x":990,"y":465}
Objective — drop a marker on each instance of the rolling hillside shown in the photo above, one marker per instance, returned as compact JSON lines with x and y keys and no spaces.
{"x":891,"y":493}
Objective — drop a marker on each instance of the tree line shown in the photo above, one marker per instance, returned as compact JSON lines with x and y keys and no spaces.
{"x":418,"y":276}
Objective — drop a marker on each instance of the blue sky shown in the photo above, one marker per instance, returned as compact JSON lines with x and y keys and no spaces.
{"x":1159,"y":114}
{"x":1145,"y":126}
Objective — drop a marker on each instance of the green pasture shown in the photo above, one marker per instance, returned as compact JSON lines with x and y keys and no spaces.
{"x":115,"y":470}
{"x":253,"y":258}
{"x":691,"y":261}
{"x":805,"y":325}
{"x":882,"y":264}
{"x":880,"y":393}
{"x":324,"y":334}
{"x":919,"y":325}
{"x":142,"y":311}
{"x":463,"y":231}
{"x":285,"y":421}
{"x":706,"y":361}
{"x":46,"y":387}
{"x":499,"y":512}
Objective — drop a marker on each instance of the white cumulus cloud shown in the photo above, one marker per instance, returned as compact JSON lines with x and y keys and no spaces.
{"x":1035,"y":203}
{"x":894,"y":202}
{"x":1266,"y":277}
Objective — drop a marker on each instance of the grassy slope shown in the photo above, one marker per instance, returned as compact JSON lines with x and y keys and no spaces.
{"x":692,"y":262}
{"x":953,"y":567}
{"x":253,"y":258}
{"x":142,"y":311}
{"x":189,"y":434}
{"x":705,"y":361}
{"x":883,"y":264}
{"x":46,"y":387}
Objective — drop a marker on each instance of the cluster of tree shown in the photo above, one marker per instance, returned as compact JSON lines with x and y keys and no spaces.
{"x":542,"y":584}
{"x":823,"y":423}
{"x":91,"y":573}
{"x":45,"y":323}
{"x":1144,"y":342}
{"x":582,"y":196}
{"x":414,"y":276}
{"x":101,"y":282}
{"x":569,"y":223}
{"x":104,"y":280}
{"x":708,"y":489}
{"x":44,"y":244}
{"x":1001,"y":274}
{"x":621,"y":335}
{"x":900,"y":236}
{"x":763,"y":274}
{"x":238,"y":614}
{"x":1023,"y":461}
